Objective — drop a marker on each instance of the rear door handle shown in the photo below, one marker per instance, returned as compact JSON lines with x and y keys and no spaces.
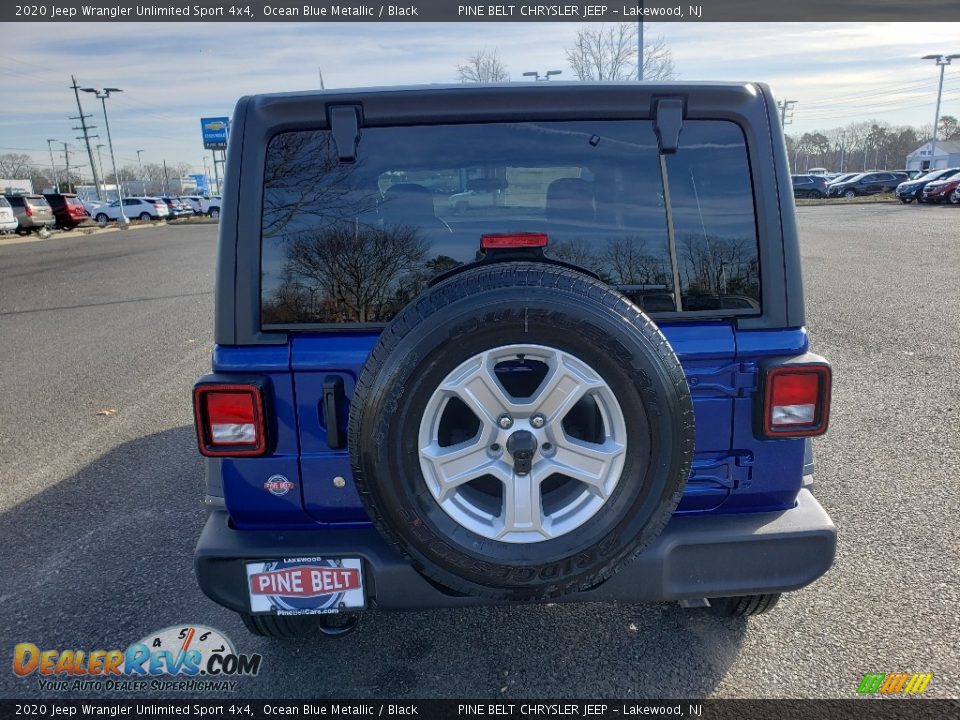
{"x":333,"y":399}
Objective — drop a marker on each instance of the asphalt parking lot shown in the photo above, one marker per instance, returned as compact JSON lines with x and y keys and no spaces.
{"x":101,"y":338}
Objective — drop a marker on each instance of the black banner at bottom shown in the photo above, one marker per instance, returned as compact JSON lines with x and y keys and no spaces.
{"x":875,"y":709}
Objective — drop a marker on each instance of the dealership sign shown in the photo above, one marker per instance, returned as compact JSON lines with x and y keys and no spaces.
{"x":215,"y":132}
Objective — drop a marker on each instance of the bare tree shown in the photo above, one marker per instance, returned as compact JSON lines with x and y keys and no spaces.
{"x":356,"y":268}
{"x":15,"y":165}
{"x":483,"y":66}
{"x":609,"y":52}
{"x":631,"y":264}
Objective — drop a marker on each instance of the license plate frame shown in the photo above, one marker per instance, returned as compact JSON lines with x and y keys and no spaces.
{"x":321,"y":585}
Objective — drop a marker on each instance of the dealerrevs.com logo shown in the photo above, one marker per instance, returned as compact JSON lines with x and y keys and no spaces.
{"x":181,"y":657}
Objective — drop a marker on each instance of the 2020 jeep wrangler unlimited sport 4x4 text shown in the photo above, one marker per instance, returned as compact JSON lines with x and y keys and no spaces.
{"x":594,"y":385}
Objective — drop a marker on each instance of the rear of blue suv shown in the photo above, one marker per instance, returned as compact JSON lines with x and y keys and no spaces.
{"x":593,"y":385}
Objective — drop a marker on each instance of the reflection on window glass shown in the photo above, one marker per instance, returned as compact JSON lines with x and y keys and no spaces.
{"x":713,"y":218}
{"x":354,"y":243}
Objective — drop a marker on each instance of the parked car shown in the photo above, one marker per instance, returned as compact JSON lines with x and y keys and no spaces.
{"x":8,"y":221}
{"x":175,"y":208}
{"x":869,"y":183}
{"x":134,"y":208}
{"x":911,"y":190}
{"x":518,"y":429}
{"x":843,"y":177}
{"x":809,"y":186}
{"x":33,"y":213}
{"x":940,"y":191}
{"x":192,"y":201}
{"x":68,"y":210}
{"x":91,"y":206}
{"x":473,"y":199}
{"x":912,"y":174}
{"x":211,"y":206}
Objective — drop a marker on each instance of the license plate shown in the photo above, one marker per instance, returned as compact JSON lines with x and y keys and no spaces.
{"x":305,"y":586}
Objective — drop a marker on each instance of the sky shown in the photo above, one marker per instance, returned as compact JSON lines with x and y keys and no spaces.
{"x":172,"y":74}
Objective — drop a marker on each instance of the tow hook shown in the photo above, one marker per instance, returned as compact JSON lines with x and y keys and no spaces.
{"x":522,"y":445}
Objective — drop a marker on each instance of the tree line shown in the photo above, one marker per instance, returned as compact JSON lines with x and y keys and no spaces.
{"x":156,"y":179}
{"x":870,"y":145}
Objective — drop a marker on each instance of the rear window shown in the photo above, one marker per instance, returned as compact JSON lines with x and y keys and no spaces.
{"x":353,"y":243}
{"x":4,"y":203}
{"x":38,"y":201}
{"x":74,"y":201}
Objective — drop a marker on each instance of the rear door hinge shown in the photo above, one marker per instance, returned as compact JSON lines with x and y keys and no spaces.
{"x":730,"y":471}
{"x":733,"y":380}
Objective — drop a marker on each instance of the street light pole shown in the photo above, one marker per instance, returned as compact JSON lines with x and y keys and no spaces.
{"x":546,"y":76}
{"x":942,"y":61}
{"x":143,"y":184}
{"x":103,"y":95}
{"x":640,"y":46}
{"x":53,"y":168}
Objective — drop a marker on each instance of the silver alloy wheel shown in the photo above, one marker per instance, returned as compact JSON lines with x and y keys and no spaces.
{"x":570,"y":477}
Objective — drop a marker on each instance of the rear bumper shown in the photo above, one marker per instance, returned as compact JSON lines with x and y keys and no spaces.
{"x":694,"y":557}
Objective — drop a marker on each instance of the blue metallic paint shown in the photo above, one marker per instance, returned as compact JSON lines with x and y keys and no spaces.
{"x":733,"y":470}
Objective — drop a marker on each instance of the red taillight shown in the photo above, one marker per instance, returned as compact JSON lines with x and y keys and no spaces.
{"x":28,"y":210}
{"x":513,"y":240}
{"x":796,"y":401}
{"x":229,"y":420}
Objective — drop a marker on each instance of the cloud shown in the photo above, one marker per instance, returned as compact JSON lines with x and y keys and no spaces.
{"x":174,"y":73}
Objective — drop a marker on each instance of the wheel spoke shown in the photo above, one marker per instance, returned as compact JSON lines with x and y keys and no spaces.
{"x":590,"y":463}
{"x":480,"y":390}
{"x":522,"y":511}
{"x":452,"y":467}
{"x":563,"y":387}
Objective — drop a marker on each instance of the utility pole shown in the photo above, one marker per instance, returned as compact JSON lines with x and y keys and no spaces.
{"x":843,"y":139}
{"x":143,"y":183}
{"x":86,"y":133}
{"x":320,"y":73}
{"x":165,"y":191}
{"x":53,"y":167}
{"x":66,"y":159}
{"x":786,"y":106}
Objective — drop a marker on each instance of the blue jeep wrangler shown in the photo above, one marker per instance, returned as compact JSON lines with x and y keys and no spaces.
{"x":489,"y":344}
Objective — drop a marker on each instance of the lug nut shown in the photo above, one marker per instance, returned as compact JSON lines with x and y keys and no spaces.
{"x":505,"y":421}
{"x":538,"y":421}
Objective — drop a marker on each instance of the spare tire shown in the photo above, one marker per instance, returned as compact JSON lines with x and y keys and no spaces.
{"x":521,"y":431}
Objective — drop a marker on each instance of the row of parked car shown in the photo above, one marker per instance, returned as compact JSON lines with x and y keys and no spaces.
{"x":936,"y":186}
{"x":848,"y":184}
{"x":155,"y":208}
{"x":24,"y":214}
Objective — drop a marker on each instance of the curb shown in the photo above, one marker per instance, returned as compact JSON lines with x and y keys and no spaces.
{"x":92,"y":230}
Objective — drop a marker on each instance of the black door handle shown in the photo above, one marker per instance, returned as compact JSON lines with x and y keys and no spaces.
{"x":333,"y":398}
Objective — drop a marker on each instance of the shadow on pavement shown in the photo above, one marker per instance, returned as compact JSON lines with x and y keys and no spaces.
{"x":105,"y":557}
